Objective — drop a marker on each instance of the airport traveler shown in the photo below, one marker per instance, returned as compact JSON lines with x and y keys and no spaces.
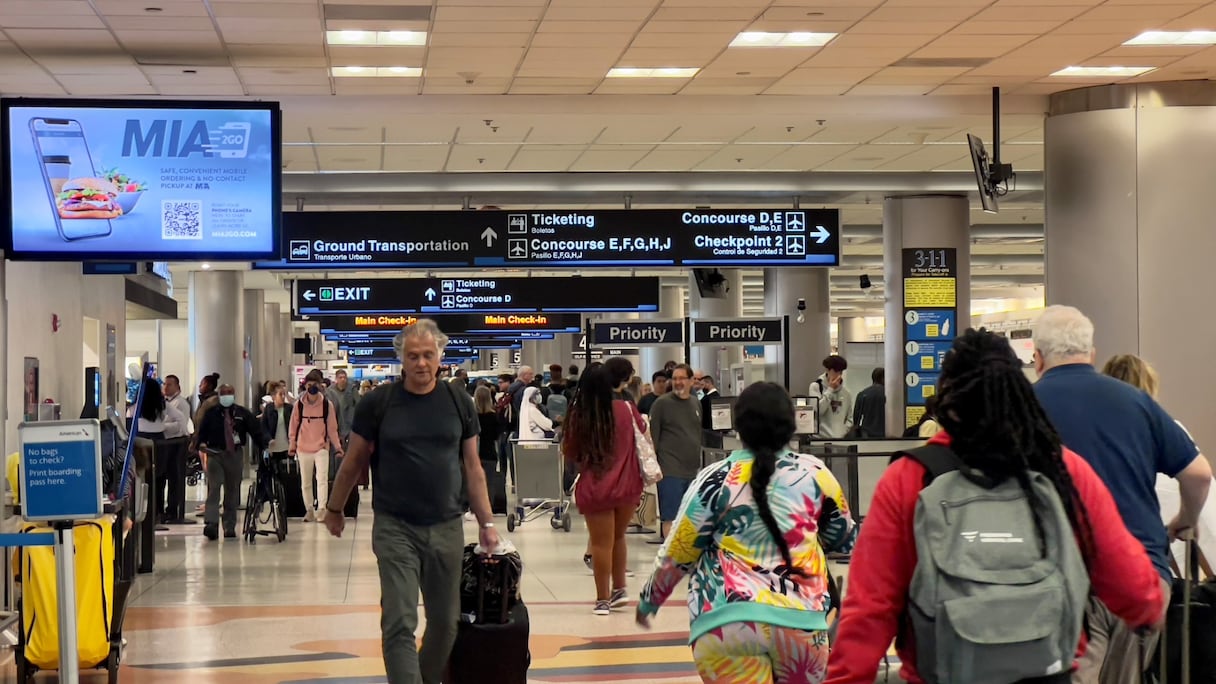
{"x":312,"y":431}
{"x":633,"y":389}
{"x":1128,"y":438}
{"x":365,"y":387}
{"x":226,"y":427}
{"x":177,"y":442}
{"x":157,"y":421}
{"x":658,"y":383}
{"x":927,"y":426}
{"x":599,"y":437}
{"x":706,"y":388}
{"x":534,"y":425}
{"x":275,"y":420}
{"x":206,"y":390}
{"x":995,"y":429}
{"x":835,"y":401}
{"x":487,"y":418}
{"x":422,"y":432}
{"x":572,"y":381}
{"x":870,"y":412}
{"x":1137,"y":372}
{"x":557,"y":384}
{"x":344,"y":396}
{"x":752,"y":532}
{"x":675,"y":427}
{"x":502,"y":404}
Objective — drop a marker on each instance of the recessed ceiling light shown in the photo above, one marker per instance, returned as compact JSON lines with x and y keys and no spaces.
{"x":660,"y":72}
{"x":1112,"y":71}
{"x":770,"y":39}
{"x":1174,"y":38}
{"x":376,"y":38}
{"x":206,"y":266}
{"x":376,"y":72}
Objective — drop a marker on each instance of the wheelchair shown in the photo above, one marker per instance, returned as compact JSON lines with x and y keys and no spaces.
{"x":266,"y":503}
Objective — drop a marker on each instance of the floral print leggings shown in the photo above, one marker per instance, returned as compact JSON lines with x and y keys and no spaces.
{"x":758,"y":653}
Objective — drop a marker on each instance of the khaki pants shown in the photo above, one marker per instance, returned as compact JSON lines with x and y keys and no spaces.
{"x":415,"y":559}
{"x":1116,"y":653}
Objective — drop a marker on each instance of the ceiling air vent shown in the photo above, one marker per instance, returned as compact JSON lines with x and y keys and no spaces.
{"x":378,"y":12}
{"x":950,"y":62}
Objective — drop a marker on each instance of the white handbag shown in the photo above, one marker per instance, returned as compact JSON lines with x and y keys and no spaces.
{"x":648,"y":461}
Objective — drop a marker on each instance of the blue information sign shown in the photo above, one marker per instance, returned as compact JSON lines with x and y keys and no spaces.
{"x":929,"y":325}
{"x":925,"y":357}
{"x":61,"y":470}
{"x":920,"y":387}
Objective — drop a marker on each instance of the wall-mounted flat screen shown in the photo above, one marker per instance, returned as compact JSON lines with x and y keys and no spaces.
{"x":140,"y":179}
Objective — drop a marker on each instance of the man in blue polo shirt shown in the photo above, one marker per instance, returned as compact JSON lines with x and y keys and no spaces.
{"x":1127,"y":438}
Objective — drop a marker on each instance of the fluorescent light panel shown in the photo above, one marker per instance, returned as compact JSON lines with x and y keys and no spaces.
{"x":659,"y":72}
{"x":375,"y":72}
{"x":1112,"y":71}
{"x":1174,"y":38}
{"x":792,"y":39}
{"x":376,"y":38}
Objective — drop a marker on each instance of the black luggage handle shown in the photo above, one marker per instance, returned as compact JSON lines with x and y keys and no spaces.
{"x":482,"y":582}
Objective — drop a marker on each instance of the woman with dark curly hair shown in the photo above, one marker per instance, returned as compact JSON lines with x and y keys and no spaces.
{"x":995,"y":431}
{"x":599,"y":438}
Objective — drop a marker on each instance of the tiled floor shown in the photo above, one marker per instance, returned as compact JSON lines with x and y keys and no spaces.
{"x":307,"y":611}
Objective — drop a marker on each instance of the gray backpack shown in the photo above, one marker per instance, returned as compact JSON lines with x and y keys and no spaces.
{"x":992,"y":601}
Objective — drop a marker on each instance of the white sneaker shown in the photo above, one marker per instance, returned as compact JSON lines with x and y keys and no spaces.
{"x":310,"y":517}
{"x":469,"y":517}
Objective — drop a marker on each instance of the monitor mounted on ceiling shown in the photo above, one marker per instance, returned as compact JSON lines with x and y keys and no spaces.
{"x":979,"y":161}
{"x":991,"y":176}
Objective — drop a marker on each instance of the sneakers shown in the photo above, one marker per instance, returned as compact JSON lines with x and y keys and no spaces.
{"x":469,"y":517}
{"x":603,"y":608}
{"x":211,"y":532}
{"x":310,"y":517}
{"x":619,"y":598}
{"x":587,"y":562}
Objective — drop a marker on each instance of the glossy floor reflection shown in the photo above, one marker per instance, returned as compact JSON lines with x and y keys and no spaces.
{"x":307,"y":611}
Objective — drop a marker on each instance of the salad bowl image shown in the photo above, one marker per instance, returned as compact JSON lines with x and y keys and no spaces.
{"x":129,"y":191}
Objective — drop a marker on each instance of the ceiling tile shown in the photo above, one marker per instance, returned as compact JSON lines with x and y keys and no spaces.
{"x":540,"y":158}
{"x":1145,"y":11}
{"x":459,"y":86}
{"x":857,"y":57}
{"x":269,"y":90}
{"x":49,"y":21}
{"x":480,"y":157}
{"x":709,"y":130}
{"x":637,"y":129}
{"x":609,"y":158}
{"x":804,"y":157}
{"x":599,"y":12}
{"x":252,"y":55}
{"x":845,"y":132}
{"x":484,"y":62}
{"x":618,"y":41}
{"x":61,"y":41}
{"x":915,"y":75}
{"x":867,"y":157}
{"x":675,"y":57}
{"x":871,"y":41}
{"x":75,"y":8}
{"x":243,"y":35}
{"x":736,"y":157}
{"x":1005,"y":10}
{"x":959,"y":46}
{"x":641,"y":86}
{"x":897,"y":90}
{"x":729,"y":12}
{"x":370,"y":56}
{"x":287,"y":26}
{"x":350,"y":158}
{"x":285,"y":76}
{"x":736,"y":86}
{"x":489,"y":40}
{"x":1006,"y":28}
{"x":931,"y":157}
{"x":678,"y":159}
{"x":953,"y":13}
{"x":728,"y":27}
{"x":204,"y":75}
{"x":181,"y":89}
{"x":135,"y":8}
{"x":827,"y":76}
{"x":815,"y":12}
{"x":162,"y":23}
{"x":886,"y":28}
{"x":487,"y":11}
{"x":608,"y":27}
{"x":484,"y":27}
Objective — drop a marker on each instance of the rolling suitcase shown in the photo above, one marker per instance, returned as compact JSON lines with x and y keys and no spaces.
{"x":1185,"y":650}
{"x":496,"y":484}
{"x":288,"y":471}
{"x":492,"y":635}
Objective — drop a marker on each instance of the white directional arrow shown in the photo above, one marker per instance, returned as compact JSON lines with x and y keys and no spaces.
{"x":430,"y":294}
{"x":309,"y":295}
{"x":489,"y":235}
{"x":820,"y":234}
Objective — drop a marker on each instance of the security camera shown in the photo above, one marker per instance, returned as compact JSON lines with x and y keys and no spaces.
{"x":801,"y":318}
{"x":864,"y":282}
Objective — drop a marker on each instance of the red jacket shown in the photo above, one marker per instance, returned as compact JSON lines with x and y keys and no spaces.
{"x":885,"y":557}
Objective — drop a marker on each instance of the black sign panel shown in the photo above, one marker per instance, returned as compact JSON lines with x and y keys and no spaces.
{"x":560,"y":238}
{"x":458,"y":324}
{"x":635,"y":333}
{"x":739,"y":331}
{"x":476,"y":295}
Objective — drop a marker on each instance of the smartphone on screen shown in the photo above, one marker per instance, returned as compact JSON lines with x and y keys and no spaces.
{"x":82,"y":203}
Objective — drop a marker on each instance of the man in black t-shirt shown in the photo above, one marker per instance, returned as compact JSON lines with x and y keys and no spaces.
{"x":422,"y":431}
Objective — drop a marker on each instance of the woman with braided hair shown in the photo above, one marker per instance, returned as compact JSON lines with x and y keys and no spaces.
{"x":752,"y":534}
{"x":993,"y":423}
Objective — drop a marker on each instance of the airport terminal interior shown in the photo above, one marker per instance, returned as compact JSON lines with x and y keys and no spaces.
{"x":745,"y":186}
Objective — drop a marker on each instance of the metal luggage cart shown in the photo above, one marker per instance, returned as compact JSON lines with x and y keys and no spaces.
{"x":538,"y":485}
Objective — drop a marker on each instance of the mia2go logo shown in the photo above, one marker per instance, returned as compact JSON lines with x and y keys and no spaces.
{"x":300,"y":250}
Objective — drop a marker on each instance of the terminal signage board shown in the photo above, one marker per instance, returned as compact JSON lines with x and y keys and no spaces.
{"x":930,"y":284}
{"x":476,"y":295}
{"x":637,"y":333}
{"x":761,"y":331}
{"x":560,"y":238}
{"x":458,"y":324}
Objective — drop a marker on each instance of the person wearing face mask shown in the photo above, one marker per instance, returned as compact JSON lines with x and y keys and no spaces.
{"x":314,"y":427}
{"x":835,"y":402}
{"x":225,"y":428}
{"x":533,"y":423}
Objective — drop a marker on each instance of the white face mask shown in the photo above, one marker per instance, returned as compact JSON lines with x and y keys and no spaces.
{"x":700,"y":394}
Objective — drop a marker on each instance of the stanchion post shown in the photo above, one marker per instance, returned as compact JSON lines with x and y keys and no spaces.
{"x":65,"y":562}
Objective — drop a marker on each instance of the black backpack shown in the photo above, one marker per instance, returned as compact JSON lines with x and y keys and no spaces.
{"x":300,"y":412}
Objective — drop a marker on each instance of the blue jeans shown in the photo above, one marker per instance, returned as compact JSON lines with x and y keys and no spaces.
{"x":671,"y":493}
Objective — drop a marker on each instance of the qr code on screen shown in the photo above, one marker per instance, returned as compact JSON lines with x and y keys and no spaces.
{"x":181,"y":220}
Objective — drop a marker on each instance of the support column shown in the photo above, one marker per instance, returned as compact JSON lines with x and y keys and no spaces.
{"x":810,"y":341}
{"x":671,"y":305}
{"x":216,"y":320}
{"x":288,"y":340}
{"x":272,"y":342}
{"x":530,"y":354}
{"x":1129,"y":229}
{"x":253,"y":343}
{"x":924,"y":221}
{"x":502,"y":363}
{"x":717,"y":360}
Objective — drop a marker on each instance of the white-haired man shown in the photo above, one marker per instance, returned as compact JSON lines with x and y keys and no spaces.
{"x":1128,"y":438}
{"x":423,"y":431}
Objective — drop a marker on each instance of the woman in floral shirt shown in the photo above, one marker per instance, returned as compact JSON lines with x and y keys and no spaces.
{"x":752,"y":534}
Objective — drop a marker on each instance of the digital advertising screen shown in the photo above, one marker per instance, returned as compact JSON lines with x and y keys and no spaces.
{"x":155,"y":180}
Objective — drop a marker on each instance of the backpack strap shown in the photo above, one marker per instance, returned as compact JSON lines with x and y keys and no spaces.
{"x":300,"y":415}
{"x":936,"y":459}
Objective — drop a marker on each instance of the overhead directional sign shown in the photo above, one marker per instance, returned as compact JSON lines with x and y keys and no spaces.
{"x":560,"y":238}
{"x":458,"y":324}
{"x":464,"y":295}
{"x":739,"y":331}
{"x":637,"y":333}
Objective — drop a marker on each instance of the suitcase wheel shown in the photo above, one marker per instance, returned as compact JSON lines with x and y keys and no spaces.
{"x":112,"y":667}
{"x":567,"y":523}
{"x":555,"y":522}
{"x":510,"y":522}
